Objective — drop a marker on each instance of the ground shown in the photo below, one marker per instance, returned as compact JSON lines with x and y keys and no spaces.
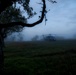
{"x":40,"y":58}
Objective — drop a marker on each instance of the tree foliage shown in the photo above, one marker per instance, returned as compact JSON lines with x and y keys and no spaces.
{"x":11,"y":19}
{"x":49,"y":37}
{"x":14,"y":14}
{"x":11,"y":14}
{"x":27,"y":8}
{"x":35,"y":38}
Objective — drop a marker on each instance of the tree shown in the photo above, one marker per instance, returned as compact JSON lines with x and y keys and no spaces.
{"x":8,"y":26}
{"x":48,"y":37}
{"x":13,"y":15}
{"x":9,"y":15}
{"x":35,"y":38}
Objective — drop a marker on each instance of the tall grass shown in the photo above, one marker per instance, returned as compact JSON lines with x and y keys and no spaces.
{"x":40,"y":58}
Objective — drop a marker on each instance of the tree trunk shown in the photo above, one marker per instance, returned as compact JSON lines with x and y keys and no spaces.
{"x":1,"y":53}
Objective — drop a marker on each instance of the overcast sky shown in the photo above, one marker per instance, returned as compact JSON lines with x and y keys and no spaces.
{"x":61,"y":19}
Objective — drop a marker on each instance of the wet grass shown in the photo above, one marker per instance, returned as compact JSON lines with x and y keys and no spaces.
{"x":40,"y":58}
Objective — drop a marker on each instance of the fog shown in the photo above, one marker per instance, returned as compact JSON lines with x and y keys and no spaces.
{"x":21,"y":36}
{"x":61,"y":20}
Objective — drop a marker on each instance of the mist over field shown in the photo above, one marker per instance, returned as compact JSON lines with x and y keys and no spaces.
{"x":61,"y":20}
{"x":28,"y":37}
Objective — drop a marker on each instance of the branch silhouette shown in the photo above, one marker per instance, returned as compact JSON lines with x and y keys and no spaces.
{"x":11,"y":24}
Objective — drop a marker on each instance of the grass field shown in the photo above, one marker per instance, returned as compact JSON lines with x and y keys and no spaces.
{"x":40,"y":58}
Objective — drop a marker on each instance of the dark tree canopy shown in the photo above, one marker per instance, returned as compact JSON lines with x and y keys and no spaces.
{"x":11,"y":18}
{"x":25,"y":4}
{"x":11,"y":14}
